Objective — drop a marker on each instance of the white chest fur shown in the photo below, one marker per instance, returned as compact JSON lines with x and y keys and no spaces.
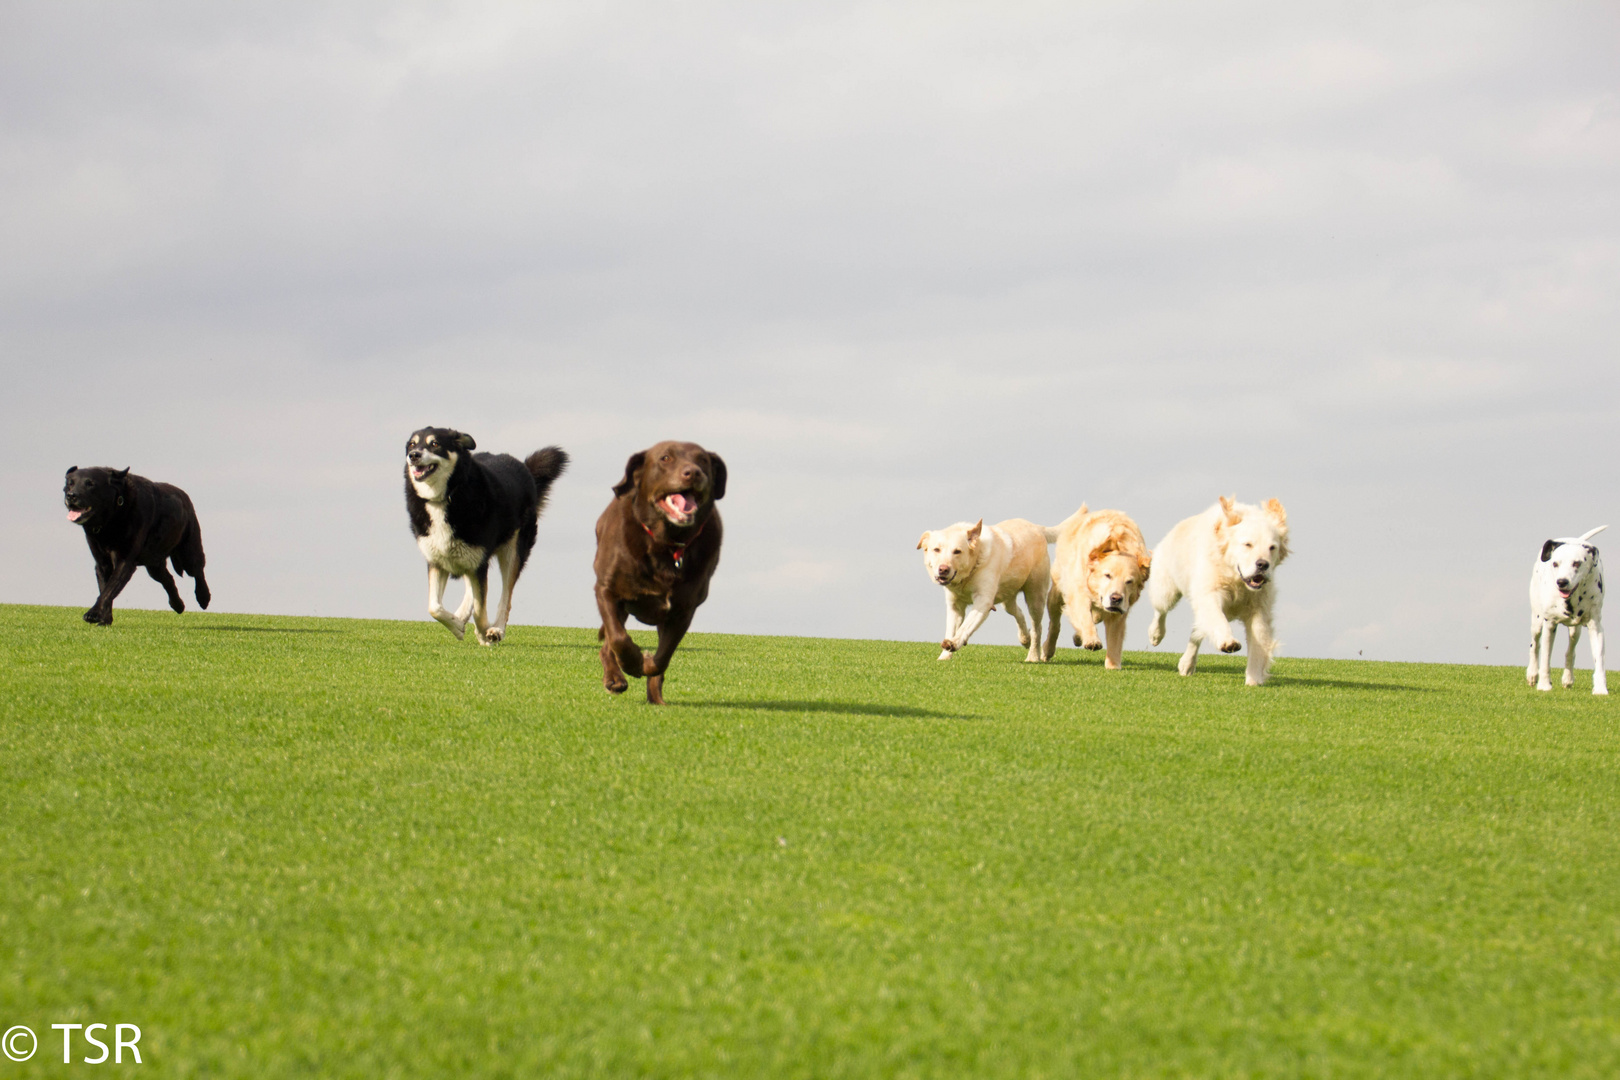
{"x":441,"y":548}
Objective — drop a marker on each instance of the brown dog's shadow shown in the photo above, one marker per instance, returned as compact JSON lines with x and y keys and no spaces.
{"x":851,"y":708}
{"x":261,"y":629}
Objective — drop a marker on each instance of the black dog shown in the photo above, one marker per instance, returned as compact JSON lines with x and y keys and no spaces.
{"x":466,"y":508}
{"x":130,"y":521}
{"x":657,"y":545}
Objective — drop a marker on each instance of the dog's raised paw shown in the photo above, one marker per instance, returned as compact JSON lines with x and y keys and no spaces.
{"x":616,"y":686}
{"x":1231,"y":647}
{"x":1093,"y":646}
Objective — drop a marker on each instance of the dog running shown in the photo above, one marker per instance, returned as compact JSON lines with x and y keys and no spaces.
{"x":130,"y":521}
{"x":466,"y":509}
{"x":1566,"y":589}
{"x":657,"y":546}
{"x":1222,"y":560}
{"x":1098,"y":571}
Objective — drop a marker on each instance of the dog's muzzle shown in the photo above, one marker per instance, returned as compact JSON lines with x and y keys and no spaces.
{"x":1256,"y":582}
{"x":944,"y":576}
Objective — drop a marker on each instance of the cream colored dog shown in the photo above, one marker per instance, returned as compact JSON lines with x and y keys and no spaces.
{"x":981,"y":568}
{"x":1222,"y":560}
{"x":1101,"y":564}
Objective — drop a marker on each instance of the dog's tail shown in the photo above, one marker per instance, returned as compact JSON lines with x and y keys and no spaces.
{"x":1588,"y":534}
{"x":1052,"y":531}
{"x":545,"y":466}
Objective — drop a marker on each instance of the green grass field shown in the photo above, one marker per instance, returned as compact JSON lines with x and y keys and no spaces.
{"x":320,"y":847}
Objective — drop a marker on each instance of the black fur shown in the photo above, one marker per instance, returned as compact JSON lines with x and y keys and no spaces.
{"x":129,"y":522}
{"x":488,"y":496}
{"x":1547,"y":549}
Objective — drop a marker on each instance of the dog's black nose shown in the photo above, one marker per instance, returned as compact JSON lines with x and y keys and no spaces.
{"x":1563,"y":583}
{"x":1262,"y":565}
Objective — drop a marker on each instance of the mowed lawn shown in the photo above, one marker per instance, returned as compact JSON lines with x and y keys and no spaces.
{"x":336,"y":848}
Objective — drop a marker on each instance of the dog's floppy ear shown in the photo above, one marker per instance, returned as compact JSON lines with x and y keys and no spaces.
{"x":1145,"y":561}
{"x":923,"y":541}
{"x":72,"y":469}
{"x":717,"y":476}
{"x":632,"y":472}
{"x":465,"y":441}
{"x":1547,"y":549}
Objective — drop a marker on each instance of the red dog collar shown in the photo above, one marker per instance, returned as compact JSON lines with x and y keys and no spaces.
{"x":677,"y":551}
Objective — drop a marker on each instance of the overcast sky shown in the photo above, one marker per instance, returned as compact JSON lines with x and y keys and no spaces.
{"x":899,"y":264}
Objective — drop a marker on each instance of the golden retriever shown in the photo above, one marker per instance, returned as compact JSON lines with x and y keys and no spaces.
{"x":1223,"y":561}
{"x":1101,"y":564}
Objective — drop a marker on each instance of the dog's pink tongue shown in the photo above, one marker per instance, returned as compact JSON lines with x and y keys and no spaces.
{"x":680,"y":503}
{"x":75,"y":515}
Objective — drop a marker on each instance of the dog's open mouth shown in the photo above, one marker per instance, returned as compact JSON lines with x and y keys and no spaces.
{"x":77,"y":515}
{"x":679,"y":506}
{"x":1565,"y":593}
{"x":422,"y":472}
{"x":1255,"y":581}
{"x":944,"y":576}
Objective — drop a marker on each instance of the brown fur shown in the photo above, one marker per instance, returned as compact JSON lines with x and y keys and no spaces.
{"x":651,"y":567}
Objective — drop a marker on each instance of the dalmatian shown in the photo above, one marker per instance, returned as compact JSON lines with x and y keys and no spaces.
{"x":1566,"y":587}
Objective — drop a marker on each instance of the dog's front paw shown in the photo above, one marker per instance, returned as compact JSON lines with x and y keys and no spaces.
{"x":1544,"y":685}
{"x":179,"y":606}
{"x":1568,"y":680}
{"x":1093,"y":645}
{"x":1188,"y":665}
{"x":494,"y":635}
{"x":616,"y":685}
{"x":97,"y":617}
{"x":1023,"y":638}
{"x":1602,"y":691}
{"x":949,"y":646}
{"x":1231,"y":646}
{"x":946,"y":654}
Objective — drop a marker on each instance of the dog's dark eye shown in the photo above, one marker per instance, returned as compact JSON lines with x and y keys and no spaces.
{"x":956,"y":551}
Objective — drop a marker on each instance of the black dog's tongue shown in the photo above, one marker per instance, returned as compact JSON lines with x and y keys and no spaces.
{"x":75,"y":515}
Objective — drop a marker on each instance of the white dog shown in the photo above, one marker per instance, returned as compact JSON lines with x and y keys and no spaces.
{"x":1222,"y":560}
{"x":981,"y":568}
{"x":1566,"y":587}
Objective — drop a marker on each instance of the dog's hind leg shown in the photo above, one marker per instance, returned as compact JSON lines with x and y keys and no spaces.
{"x":188,"y":558}
{"x":1163,"y":595}
{"x":478,"y":590}
{"x":1535,"y":643}
{"x":1569,"y":656}
{"x":511,"y":565}
{"x":1018,"y":617}
{"x":1600,"y":677}
{"x":437,"y":580}
{"x":160,"y":574}
{"x":1054,"y":619}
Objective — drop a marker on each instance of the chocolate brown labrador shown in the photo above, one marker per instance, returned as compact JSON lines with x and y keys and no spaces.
{"x":657,"y":545}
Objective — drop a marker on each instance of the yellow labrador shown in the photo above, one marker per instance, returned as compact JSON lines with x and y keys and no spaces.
{"x":981,"y":568}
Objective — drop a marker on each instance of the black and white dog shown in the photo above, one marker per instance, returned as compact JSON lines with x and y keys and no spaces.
{"x":1566,"y":587}
{"x":467,"y":508}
